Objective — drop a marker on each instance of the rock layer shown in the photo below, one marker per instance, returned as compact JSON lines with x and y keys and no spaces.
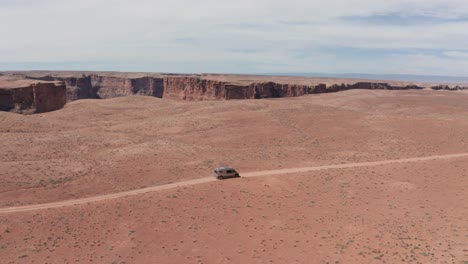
{"x":192,"y":88}
{"x":33,"y":98}
{"x":102,"y":87}
{"x":94,"y":85}
{"x":197,"y":88}
{"x":448,"y":88}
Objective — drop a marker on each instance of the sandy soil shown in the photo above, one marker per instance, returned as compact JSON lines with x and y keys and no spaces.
{"x":391,"y":213}
{"x":412,"y":212}
{"x":105,"y":197}
{"x":96,"y":147}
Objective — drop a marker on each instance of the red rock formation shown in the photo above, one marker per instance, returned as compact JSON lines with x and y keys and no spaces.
{"x":233,"y":91}
{"x":276,"y":90}
{"x":77,"y":87}
{"x":192,"y":88}
{"x":448,"y":88}
{"x":148,"y":86}
{"x":39,"y":98}
{"x":109,"y":87}
{"x":381,"y":86}
{"x":101,"y":87}
{"x":321,"y":88}
{"x":33,"y":98}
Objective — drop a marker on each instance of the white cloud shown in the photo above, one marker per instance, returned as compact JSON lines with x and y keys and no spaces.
{"x":211,"y":35}
{"x":456,"y":54}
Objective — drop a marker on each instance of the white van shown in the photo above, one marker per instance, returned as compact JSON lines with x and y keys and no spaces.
{"x":225,"y":172}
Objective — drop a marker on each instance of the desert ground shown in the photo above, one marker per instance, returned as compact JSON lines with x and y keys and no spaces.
{"x":410,"y":211}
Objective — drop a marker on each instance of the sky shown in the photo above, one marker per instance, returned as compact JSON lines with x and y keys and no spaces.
{"x":427,"y":37}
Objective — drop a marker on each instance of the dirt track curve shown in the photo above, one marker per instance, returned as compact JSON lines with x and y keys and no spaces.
{"x":212,"y":179}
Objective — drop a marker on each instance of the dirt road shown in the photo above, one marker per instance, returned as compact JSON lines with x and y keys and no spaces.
{"x":212,"y":179}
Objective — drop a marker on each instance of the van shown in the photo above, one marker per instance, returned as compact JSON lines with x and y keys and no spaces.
{"x":225,"y":172}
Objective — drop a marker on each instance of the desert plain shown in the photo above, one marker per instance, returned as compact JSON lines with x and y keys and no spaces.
{"x":383,"y":205}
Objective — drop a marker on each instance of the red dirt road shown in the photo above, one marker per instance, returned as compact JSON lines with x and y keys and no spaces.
{"x":211,"y":179}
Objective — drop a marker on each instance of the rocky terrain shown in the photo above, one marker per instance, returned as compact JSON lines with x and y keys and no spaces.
{"x":105,"y":85}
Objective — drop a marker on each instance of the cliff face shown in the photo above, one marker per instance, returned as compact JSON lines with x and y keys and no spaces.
{"x":109,"y":87}
{"x":195,"y":88}
{"x":192,"y":88}
{"x":276,"y":90}
{"x":42,"y":97}
{"x":176,"y":87}
{"x":33,"y":98}
{"x":148,"y":86}
{"x":17,"y":100}
{"x":448,"y":88}
{"x":102,"y":87}
{"x":369,"y":86}
{"x":77,"y":87}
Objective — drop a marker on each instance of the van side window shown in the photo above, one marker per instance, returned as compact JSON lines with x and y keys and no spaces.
{"x":229,"y":171}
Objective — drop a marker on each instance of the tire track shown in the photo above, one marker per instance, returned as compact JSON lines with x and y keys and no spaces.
{"x":212,"y":179}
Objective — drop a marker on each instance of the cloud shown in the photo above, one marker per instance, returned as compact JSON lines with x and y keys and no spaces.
{"x":234,"y":36}
{"x":456,"y":54}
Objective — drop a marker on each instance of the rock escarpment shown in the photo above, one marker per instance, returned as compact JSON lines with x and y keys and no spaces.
{"x":191,"y":88}
{"x":95,"y":85}
{"x":102,"y":87}
{"x":176,"y":87}
{"x":28,"y":98}
{"x":448,"y":88}
{"x":109,"y":87}
{"x":197,"y":87}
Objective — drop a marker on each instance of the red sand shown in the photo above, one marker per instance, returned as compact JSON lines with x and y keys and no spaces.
{"x":411,"y":212}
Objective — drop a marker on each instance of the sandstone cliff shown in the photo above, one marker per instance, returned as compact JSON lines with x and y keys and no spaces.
{"x":205,"y":87}
{"x":77,"y":87}
{"x":102,"y":87}
{"x":46,"y":92}
{"x":24,"y":97}
{"x":108,"y":87}
{"x":449,"y":88}
{"x":194,"y":88}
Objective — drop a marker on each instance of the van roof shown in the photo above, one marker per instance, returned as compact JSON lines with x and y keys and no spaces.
{"x":224,"y":168}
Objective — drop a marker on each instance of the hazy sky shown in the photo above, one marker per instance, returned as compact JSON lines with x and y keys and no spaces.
{"x":237,"y":36}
